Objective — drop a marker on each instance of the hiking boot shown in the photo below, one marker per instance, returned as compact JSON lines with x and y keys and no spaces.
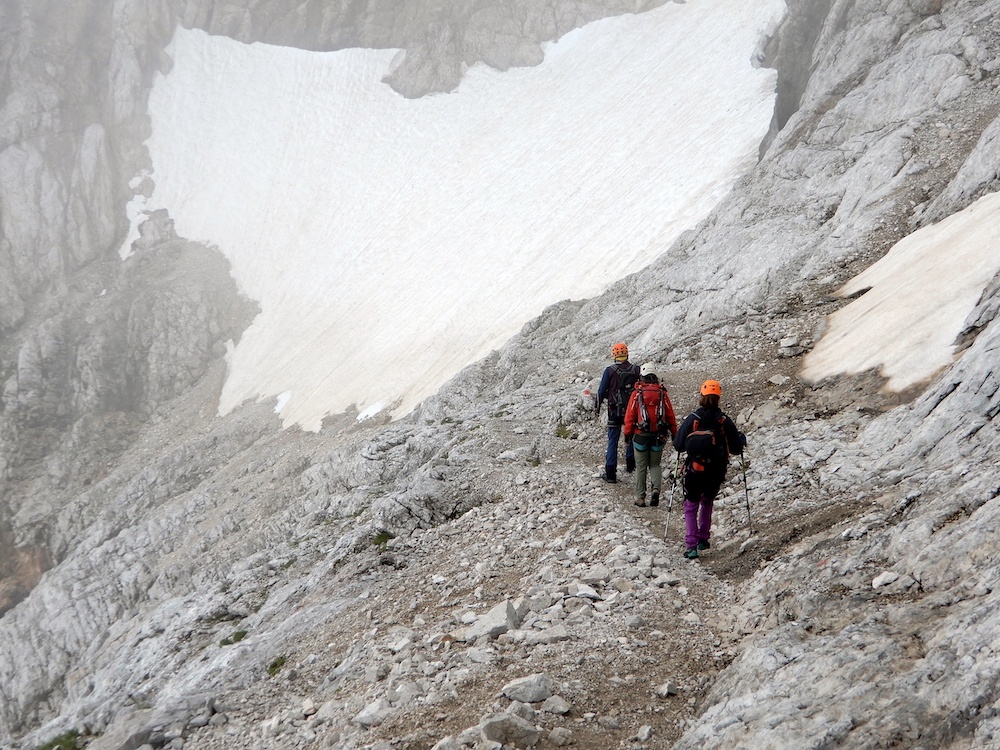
{"x":641,"y":502}
{"x":703,"y":544}
{"x":654,"y":500}
{"x":609,"y":478}
{"x":629,"y":464}
{"x":692,"y":553}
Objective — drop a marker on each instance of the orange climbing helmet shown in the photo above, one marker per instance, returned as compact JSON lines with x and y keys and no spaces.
{"x":620,"y":352}
{"x":711,"y":388}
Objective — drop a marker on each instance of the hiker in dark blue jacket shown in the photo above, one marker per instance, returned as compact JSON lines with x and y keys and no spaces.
{"x":616,"y":388}
{"x":708,"y":437}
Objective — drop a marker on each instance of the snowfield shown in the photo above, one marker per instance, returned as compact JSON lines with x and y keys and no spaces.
{"x":390,"y":241}
{"x":918,"y":298}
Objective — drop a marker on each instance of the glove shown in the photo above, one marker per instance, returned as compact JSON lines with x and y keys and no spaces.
{"x":628,"y":440}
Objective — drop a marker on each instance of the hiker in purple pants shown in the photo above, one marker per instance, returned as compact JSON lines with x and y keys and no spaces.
{"x":708,"y":436}
{"x":698,"y":521}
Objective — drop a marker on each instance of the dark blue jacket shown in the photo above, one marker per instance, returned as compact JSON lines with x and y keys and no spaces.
{"x":613,"y":373}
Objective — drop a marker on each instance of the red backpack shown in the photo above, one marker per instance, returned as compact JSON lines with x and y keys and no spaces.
{"x":658,"y":423}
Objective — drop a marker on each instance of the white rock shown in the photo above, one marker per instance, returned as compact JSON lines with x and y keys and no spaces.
{"x":666,"y":579}
{"x":500,"y":619}
{"x":523,"y":710}
{"x":480,"y":656}
{"x":560,"y":736}
{"x":531,"y":689}
{"x":884,"y":579}
{"x":556,"y":704}
{"x":584,"y":591}
{"x":374,"y":713}
{"x":644,"y":734}
{"x":596,"y":574}
{"x":469,"y":736}
{"x":666,"y":690}
{"x":509,"y":729}
{"x":550,"y":635}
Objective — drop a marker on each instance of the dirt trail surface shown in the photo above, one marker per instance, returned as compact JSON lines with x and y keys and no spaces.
{"x":608,"y":669}
{"x":631,"y":634}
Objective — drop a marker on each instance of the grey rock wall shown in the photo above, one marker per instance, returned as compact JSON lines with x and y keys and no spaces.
{"x":878,"y":627}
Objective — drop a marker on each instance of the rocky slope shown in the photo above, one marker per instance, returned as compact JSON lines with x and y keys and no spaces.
{"x":461,"y":577}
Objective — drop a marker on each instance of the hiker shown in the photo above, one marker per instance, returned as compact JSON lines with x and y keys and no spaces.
{"x":616,"y":388}
{"x":649,"y":420}
{"x":707,"y":436}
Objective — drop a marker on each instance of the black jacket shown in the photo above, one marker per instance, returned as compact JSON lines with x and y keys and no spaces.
{"x":718,"y":422}
{"x":614,"y":375}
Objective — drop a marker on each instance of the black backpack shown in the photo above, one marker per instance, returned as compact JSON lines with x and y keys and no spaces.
{"x":706,"y":444}
{"x":620,"y":388}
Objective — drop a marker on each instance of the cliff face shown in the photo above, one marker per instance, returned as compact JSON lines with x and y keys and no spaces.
{"x":137,"y":529}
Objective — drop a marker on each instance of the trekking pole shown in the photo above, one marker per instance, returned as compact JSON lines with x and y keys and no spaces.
{"x":746,"y":490}
{"x":670,"y":501}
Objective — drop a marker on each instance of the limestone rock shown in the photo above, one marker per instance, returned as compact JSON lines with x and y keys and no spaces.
{"x":374,"y":713}
{"x":509,"y":729}
{"x":530,"y":689}
{"x":500,"y":619}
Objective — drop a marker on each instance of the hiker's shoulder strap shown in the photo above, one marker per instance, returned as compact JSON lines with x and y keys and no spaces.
{"x":714,"y":417}
{"x":639,"y":394}
{"x":661,"y":404}
{"x":626,"y":368}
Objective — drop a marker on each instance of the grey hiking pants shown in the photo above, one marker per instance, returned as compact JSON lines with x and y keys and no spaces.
{"x":648,"y":452}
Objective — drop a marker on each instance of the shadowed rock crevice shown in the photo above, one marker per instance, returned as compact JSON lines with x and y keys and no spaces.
{"x":21,"y":567}
{"x":790,"y":51}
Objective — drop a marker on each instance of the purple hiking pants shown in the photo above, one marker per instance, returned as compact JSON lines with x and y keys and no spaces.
{"x":698,"y":520}
{"x":698,"y":513}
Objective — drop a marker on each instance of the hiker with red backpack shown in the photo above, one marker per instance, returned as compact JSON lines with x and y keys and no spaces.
{"x":616,"y":389}
{"x":708,"y":437}
{"x":649,"y":422}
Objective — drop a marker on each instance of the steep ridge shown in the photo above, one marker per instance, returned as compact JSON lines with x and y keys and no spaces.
{"x":207,"y":527}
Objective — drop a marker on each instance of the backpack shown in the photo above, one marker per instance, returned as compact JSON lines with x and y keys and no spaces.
{"x":644,"y":424}
{"x":620,"y":388}
{"x":705,"y":445}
